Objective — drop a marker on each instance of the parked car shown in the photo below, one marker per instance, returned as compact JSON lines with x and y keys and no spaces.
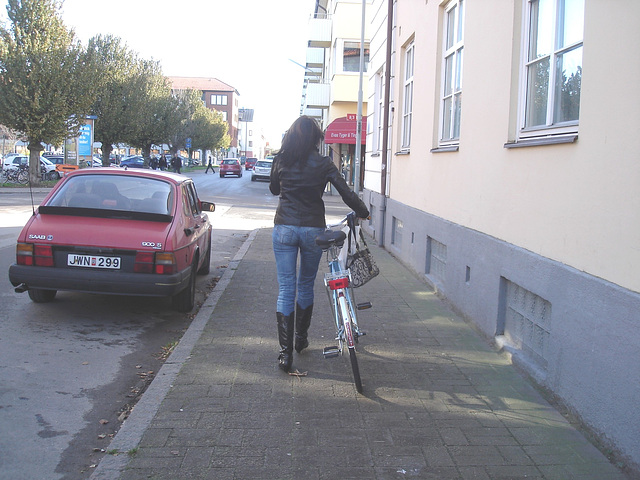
{"x":95,"y":162}
{"x":16,"y":161}
{"x":114,"y":231}
{"x":55,"y":159}
{"x":230,"y":166}
{"x":134,"y":161}
{"x":249,"y":163}
{"x":262,"y":170}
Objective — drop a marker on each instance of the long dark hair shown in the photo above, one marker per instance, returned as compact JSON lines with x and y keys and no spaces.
{"x":302,"y":138}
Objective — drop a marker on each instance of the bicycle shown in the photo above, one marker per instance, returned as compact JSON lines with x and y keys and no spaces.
{"x":15,"y":175}
{"x":341,"y":295}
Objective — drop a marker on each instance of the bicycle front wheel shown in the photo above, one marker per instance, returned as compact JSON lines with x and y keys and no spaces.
{"x":356,"y":370}
{"x":352,"y":356}
{"x":23,"y":176}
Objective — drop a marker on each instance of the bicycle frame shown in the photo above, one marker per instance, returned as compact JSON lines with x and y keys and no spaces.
{"x":341,"y":298}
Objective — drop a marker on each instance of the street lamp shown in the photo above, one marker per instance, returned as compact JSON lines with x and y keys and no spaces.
{"x":356,"y":180}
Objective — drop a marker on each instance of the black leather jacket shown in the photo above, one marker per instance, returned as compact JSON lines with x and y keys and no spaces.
{"x":301,"y":185}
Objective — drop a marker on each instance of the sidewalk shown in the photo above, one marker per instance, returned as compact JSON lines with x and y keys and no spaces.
{"x":438,"y":402}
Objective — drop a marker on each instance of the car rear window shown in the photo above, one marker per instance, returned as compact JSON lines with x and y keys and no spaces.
{"x":264,"y":164}
{"x":115,"y":192}
{"x":230,"y":162}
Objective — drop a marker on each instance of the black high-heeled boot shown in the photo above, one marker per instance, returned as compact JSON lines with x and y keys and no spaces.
{"x":303,"y":320}
{"x":285,"y":338}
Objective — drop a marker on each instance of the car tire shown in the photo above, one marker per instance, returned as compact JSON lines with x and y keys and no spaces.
{"x":38,"y":295}
{"x":221,"y":175}
{"x":240,"y":176}
{"x":253,"y":179}
{"x":185,"y":300}
{"x":205,"y":268}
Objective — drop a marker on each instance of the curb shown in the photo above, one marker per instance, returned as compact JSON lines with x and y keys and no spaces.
{"x":133,"y":428}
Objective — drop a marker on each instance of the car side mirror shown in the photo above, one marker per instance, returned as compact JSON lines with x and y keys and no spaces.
{"x":207,"y":206}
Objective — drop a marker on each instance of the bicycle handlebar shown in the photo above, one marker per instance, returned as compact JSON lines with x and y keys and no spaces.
{"x":345,"y":220}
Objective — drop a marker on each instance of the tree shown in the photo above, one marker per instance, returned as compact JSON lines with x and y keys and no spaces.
{"x":209,"y":130}
{"x":118,"y":105}
{"x":151,"y":124}
{"x":206,"y":129}
{"x":47,"y":80}
{"x":180,"y":120}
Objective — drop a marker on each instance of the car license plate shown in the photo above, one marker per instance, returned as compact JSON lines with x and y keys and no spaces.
{"x":93,"y":261}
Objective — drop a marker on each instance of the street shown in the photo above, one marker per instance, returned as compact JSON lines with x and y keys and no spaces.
{"x":71,"y":370}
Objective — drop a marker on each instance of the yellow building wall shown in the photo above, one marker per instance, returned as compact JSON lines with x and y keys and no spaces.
{"x":576,"y":203}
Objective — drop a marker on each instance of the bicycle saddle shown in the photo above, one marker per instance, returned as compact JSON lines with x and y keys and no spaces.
{"x":330,"y":237}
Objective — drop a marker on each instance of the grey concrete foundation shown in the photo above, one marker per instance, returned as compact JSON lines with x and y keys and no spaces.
{"x":577,"y":335}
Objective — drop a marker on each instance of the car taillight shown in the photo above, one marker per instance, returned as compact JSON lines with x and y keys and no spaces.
{"x":24,"y":254}
{"x":144,"y":262}
{"x":165,"y":263}
{"x":43,"y":255}
{"x":155,"y":262}
{"x":39,"y":255}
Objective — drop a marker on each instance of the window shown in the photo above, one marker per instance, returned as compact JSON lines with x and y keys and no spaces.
{"x":397,"y":227}
{"x":552,"y":69}
{"x":436,"y":259}
{"x":451,"y":104}
{"x":191,"y":202}
{"x":407,"y":105}
{"x":378,"y":114}
{"x":351,"y":57}
{"x":218,"y":99}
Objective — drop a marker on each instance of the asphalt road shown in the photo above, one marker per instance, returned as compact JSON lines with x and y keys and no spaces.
{"x":71,"y":370}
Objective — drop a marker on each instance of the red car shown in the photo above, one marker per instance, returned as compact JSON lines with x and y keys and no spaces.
{"x":249,"y":163}
{"x":112,"y":231}
{"x":230,"y":166}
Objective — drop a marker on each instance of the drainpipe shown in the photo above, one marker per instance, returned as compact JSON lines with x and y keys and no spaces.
{"x":356,"y":178}
{"x":385,"y":123}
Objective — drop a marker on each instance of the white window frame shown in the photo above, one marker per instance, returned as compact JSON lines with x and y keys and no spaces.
{"x":451,"y":79}
{"x":407,"y":95}
{"x":549,"y":128}
{"x":378,"y":112}
{"x":338,"y":57}
{"x":218,"y":99}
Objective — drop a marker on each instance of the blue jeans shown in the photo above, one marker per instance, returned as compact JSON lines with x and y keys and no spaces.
{"x":288,"y":241}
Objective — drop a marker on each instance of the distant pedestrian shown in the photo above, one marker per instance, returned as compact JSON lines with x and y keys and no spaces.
{"x":153,"y":163}
{"x":299,"y":176}
{"x":176,"y":163}
{"x":210,"y":166}
{"x":162,"y":163}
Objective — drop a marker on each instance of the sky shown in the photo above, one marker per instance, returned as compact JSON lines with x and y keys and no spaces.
{"x":249,"y":44}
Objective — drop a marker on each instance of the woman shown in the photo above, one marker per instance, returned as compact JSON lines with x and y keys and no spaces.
{"x":299,"y":176}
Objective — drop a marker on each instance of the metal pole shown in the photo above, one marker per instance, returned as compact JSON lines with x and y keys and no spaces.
{"x":387,"y":94}
{"x":356,"y":180}
{"x":385,"y":125}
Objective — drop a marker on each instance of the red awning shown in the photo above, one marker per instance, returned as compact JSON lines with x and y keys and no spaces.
{"x":343,"y":130}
